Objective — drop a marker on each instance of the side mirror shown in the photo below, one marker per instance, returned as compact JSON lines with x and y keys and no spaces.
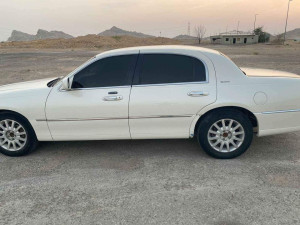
{"x":66,"y":85}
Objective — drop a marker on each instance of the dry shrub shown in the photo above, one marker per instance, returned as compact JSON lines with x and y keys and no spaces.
{"x":278,"y":40}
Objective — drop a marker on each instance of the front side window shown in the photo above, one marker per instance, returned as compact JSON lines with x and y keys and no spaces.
{"x":171,"y":68}
{"x":107,"y":72}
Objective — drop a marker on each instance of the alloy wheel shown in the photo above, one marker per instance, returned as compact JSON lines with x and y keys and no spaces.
{"x":13,"y":136}
{"x":226,"y":135}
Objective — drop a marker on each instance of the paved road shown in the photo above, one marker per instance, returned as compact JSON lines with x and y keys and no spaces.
{"x":146,"y":181}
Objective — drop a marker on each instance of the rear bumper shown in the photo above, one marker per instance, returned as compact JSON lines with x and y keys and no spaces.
{"x":278,"y":122}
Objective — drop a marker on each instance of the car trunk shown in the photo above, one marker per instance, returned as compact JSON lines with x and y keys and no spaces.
{"x":253,"y":72}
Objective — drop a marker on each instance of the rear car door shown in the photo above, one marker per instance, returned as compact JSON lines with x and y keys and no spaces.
{"x":169,"y":88}
{"x":97,"y":105}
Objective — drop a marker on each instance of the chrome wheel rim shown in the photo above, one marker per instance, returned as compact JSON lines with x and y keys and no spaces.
{"x":226,"y":135}
{"x":13,"y":136}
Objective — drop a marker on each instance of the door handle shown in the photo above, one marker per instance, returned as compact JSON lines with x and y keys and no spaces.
{"x":197,"y":93}
{"x":113,"y":98}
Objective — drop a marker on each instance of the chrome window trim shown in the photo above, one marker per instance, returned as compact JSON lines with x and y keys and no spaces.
{"x":167,"y":84}
{"x":94,"y":88}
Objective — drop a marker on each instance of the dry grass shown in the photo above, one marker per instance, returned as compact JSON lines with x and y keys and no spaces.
{"x":90,"y":41}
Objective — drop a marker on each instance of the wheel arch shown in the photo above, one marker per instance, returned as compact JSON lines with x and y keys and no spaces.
{"x":245,"y":111}
{"x":17,"y":114}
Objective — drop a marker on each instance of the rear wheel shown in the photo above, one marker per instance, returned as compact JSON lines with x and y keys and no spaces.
{"x":17,"y":137}
{"x":225,"y":134}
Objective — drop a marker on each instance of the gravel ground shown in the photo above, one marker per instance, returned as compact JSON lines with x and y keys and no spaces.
{"x":149,"y":181}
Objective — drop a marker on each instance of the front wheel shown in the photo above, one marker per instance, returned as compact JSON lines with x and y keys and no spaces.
{"x":225,"y":134}
{"x":17,"y":137}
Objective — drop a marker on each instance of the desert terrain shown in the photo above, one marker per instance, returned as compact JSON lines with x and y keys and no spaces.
{"x":146,"y":181}
{"x":22,"y":61}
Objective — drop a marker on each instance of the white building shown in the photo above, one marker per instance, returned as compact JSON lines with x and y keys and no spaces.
{"x":234,"y":38}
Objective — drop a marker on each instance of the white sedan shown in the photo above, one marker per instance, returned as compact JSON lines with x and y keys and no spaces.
{"x":152,"y":92}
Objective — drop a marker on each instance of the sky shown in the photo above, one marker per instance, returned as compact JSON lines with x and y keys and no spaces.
{"x":170,"y":17}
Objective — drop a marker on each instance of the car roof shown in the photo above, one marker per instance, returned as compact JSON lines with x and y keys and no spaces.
{"x":161,"y":48}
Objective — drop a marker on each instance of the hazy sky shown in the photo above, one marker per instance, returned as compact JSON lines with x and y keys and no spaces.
{"x":170,"y":17}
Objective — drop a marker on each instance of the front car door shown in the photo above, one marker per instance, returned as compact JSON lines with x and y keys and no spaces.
{"x":169,"y":89}
{"x":97,"y":105}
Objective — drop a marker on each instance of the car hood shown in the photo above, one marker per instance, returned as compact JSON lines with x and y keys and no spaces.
{"x":35,"y":84}
{"x":254,"y":72}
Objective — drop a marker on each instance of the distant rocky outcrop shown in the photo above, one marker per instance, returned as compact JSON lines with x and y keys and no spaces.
{"x":43,"y":34}
{"x":293,"y":34}
{"x":20,"y":36}
{"x":40,"y":35}
{"x":185,"y":37}
{"x":115,"y":31}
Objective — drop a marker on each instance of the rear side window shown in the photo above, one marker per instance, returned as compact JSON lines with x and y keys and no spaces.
{"x":107,"y":72}
{"x":171,"y":68}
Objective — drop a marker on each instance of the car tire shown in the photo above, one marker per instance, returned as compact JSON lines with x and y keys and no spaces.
{"x":17,"y":137}
{"x":225,"y":134}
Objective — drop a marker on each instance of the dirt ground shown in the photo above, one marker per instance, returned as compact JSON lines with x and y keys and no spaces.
{"x":28,"y":63}
{"x":149,"y":181}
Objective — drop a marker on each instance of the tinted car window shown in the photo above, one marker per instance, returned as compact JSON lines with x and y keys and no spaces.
{"x":170,"y":68}
{"x":111,"y":71}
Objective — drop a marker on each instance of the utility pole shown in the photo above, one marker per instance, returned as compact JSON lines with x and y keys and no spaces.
{"x":255,"y":22}
{"x":237,"y":29}
{"x":287,"y":16}
{"x":189,"y":29}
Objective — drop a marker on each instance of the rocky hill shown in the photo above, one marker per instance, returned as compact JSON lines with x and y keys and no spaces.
{"x":43,"y":34}
{"x":293,"y":34}
{"x":20,"y":36}
{"x":115,"y":31}
{"x":185,"y":37}
{"x":40,"y":35}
